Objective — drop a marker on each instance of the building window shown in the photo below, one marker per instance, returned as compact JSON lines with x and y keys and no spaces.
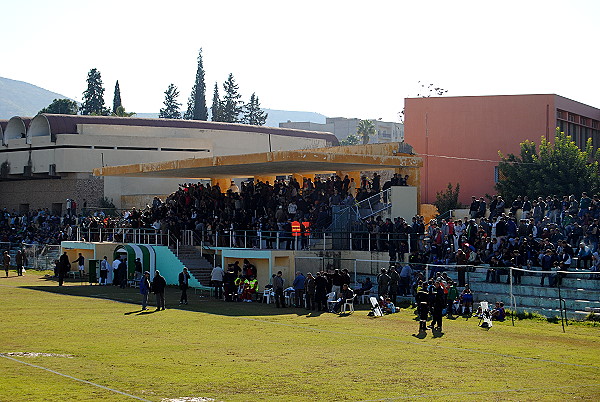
{"x":571,"y":117}
{"x":594,"y":123}
{"x":583,"y":121}
{"x":560,"y":114}
{"x":496,"y":174}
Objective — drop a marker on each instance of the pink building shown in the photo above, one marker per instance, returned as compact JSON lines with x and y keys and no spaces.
{"x":459,"y":137}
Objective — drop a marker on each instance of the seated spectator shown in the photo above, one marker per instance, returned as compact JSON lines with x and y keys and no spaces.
{"x":365,"y":288}
{"x":345,"y":294}
{"x":388,"y":307}
{"x":584,"y":254}
{"x":498,"y":313}
{"x":466,"y":301}
{"x":250,"y":288}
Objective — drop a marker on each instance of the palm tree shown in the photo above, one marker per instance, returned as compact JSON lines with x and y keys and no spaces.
{"x":365,"y":130}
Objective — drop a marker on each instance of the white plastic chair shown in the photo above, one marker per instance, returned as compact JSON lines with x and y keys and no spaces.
{"x":364,"y":298}
{"x":348,"y":305}
{"x":331,"y":301}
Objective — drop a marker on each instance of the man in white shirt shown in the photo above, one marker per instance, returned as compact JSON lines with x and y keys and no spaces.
{"x":216,"y":279}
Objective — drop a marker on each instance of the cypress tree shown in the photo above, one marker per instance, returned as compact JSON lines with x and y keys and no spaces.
{"x":232,"y":105}
{"x":253,"y":114}
{"x":93,"y":96}
{"x":117,"y":98}
{"x":216,"y":105}
{"x":171,"y":109}
{"x":196,"y":108}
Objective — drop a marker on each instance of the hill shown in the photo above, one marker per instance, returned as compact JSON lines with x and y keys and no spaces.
{"x":274,"y":116}
{"x":18,"y":98}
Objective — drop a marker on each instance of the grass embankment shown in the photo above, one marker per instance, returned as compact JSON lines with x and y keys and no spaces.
{"x":243,"y":351}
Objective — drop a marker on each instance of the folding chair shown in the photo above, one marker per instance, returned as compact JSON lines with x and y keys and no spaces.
{"x":486,"y":315}
{"x":375,"y":309}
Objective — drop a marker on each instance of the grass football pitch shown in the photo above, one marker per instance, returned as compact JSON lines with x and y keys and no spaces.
{"x":92,"y":343}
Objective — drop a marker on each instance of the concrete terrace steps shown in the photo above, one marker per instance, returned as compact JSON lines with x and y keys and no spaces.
{"x":198,"y":266}
{"x":581,"y":294}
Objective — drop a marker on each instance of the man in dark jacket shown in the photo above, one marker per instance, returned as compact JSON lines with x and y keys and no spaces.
{"x":439,"y":302}
{"x":278,"y":290}
{"x":63,"y":267}
{"x":145,"y":289}
{"x":184,"y":277}
{"x":158,"y":288}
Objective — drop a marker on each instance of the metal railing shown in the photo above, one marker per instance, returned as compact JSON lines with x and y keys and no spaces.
{"x":122,"y":235}
{"x":315,"y":240}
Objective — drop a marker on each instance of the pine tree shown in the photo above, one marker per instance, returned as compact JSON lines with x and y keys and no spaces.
{"x":61,"y":106}
{"x":196,"y":109}
{"x":216,"y":105}
{"x":232,"y":105}
{"x":171,"y":109}
{"x":253,"y":114}
{"x":93,"y":96}
{"x":117,"y":98}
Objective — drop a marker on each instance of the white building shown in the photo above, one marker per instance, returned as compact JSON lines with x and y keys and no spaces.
{"x":343,"y":127}
{"x":47,"y":159}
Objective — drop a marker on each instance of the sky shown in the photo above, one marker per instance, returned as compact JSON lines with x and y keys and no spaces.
{"x":339,"y":58}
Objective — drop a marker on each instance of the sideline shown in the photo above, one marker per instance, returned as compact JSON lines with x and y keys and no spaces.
{"x":499,"y":391}
{"x":76,"y":379}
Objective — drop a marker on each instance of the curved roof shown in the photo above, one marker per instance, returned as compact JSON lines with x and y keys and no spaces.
{"x":67,"y":124}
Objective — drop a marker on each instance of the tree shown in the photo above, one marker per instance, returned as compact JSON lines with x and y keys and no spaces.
{"x":171,"y":109}
{"x":217,"y":105}
{"x":120,"y":112}
{"x":352,"y":139}
{"x":365,"y":130}
{"x":93,"y":96}
{"x":557,"y":169}
{"x":117,"y":98}
{"x":61,"y":106}
{"x":253,"y":114}
{"x":425,"y":91}
{"x":447,"y":200}
{"x":232,"y":105}
{"x":196,"y":108}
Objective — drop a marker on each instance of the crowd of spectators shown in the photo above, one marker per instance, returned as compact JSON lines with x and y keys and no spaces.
{"x":550,"y":233}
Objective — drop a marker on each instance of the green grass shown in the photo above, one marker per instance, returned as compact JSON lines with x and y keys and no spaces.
{"x":243,"y":351}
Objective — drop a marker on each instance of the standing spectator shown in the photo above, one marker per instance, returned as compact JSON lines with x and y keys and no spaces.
{"x":216,"y":279}
{"x":158,"y":288}
{"x":123,"y":273}
{"x":310,"y":288}
{"x":184,"y":278}
{"x":405,"y":275}
{"x":298,"y":285}
{"x":439,"y":302}
{"x":104,"y":266}
{"x":422,"y":300}
{"x":394,"y":283}
{"x":138,"y":269}
{"x":114,"y":273}
{"x":20,"y":260}
{"x":321,"y":291}
{"x":6,"y":262}
{"x":81,"y":264}
{"x":451,"y":298}
{"x":278,"y":290}
{"x":473,"y":208}
{"x":383,"y":283}
{"x":145,"y":289}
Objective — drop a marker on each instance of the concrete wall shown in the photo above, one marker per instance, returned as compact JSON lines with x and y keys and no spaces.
{"x":460,"y":137}
{"x":76,"y":155}
{"x":404,"y":202}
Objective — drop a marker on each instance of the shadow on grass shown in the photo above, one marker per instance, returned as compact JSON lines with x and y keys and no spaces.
{"x":172,"y":294}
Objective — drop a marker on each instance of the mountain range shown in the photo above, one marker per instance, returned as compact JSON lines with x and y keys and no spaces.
{"x":18,"y":98}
